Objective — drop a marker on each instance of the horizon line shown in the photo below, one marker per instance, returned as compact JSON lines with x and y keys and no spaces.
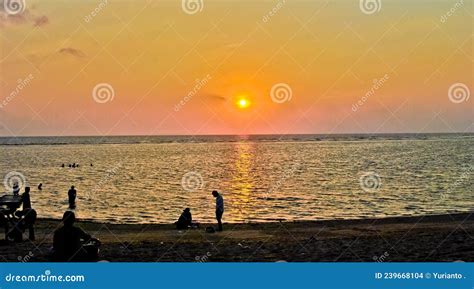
{"x":258,"y":134}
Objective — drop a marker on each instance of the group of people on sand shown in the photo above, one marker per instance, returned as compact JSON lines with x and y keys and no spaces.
{"x":185,"y":221}
{"x":71,"y":243}
{"x":19,"y":219}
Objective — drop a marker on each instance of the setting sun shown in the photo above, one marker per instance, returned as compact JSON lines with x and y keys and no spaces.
{"x":243,"y":103}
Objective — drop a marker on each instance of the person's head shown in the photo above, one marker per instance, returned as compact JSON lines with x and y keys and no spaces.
{"x":215,"y":194}
{"x":72,"y":187}
{"x":27,"y":189}
{"x":187,"y":210}
{"x":69,"y":218}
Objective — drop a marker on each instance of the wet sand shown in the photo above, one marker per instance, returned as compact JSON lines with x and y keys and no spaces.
{"x":443,"y":238}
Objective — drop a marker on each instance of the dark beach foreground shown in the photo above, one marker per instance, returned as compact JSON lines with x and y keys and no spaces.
{"x":440,"y":238}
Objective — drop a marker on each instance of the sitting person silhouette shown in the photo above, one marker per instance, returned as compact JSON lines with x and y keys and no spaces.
{"x":185,"y":221}
{"x":68,"y":241}
{"x":16,"y":189}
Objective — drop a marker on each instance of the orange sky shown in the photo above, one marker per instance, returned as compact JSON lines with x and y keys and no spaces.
{"x":174,"y":70}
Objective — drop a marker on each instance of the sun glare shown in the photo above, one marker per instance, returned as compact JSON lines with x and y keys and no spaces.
{"x":243,"y":103}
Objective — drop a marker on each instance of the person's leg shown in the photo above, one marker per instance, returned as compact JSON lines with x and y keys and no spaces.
{"x":31,"y":232}
{"x":219,"y":220}
{"x":30,"y":219}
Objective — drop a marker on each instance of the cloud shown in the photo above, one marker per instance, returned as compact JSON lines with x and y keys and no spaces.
{"x":215,"y":97}
{"x":72,"y":51}
{"x":40,"y":21}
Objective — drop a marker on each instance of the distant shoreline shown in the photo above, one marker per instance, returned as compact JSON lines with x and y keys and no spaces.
{"x":197,"y":139}
{"x":264,"y":134}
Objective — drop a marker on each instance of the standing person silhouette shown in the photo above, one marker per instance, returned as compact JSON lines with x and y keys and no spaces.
{"x":219,"y":209}
{"x":72,"y":197}
{"x":29,"y":216}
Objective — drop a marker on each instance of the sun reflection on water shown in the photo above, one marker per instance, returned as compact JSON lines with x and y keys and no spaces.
{"x":243,"y":182}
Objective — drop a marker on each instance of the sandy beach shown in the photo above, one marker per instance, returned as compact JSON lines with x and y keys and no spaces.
{"x":440,"y":238}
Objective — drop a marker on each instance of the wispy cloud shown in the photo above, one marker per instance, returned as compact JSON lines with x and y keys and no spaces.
{"x":215,"y":97}
{"x":40,"y":21}
{"x":72,"y":51}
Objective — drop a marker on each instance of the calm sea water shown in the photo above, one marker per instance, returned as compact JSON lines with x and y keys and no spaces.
{"x":262,"y":178}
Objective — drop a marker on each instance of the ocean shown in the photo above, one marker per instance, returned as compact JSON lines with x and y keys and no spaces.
{"x":151,"y":179}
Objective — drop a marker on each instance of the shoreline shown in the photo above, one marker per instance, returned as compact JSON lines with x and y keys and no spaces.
{"x":456,"y":214}
{"x":434,"y":238}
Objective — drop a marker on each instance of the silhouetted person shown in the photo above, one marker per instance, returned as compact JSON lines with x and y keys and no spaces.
{"x":16,"y":189}
{"x":25,"y":199}
{"x":92,"y":165}
{"x":4,"y":223}
{"x":40,"y":186}
{"x":185,"y":220}
{"x":68,"y":240}
{"x":62,"y":166}
{"x":74,"y":165}
{"x":70,"y":165}
{"x":72,"y":197}
{"x":219,"y":209}
{"x":28,"y":214}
